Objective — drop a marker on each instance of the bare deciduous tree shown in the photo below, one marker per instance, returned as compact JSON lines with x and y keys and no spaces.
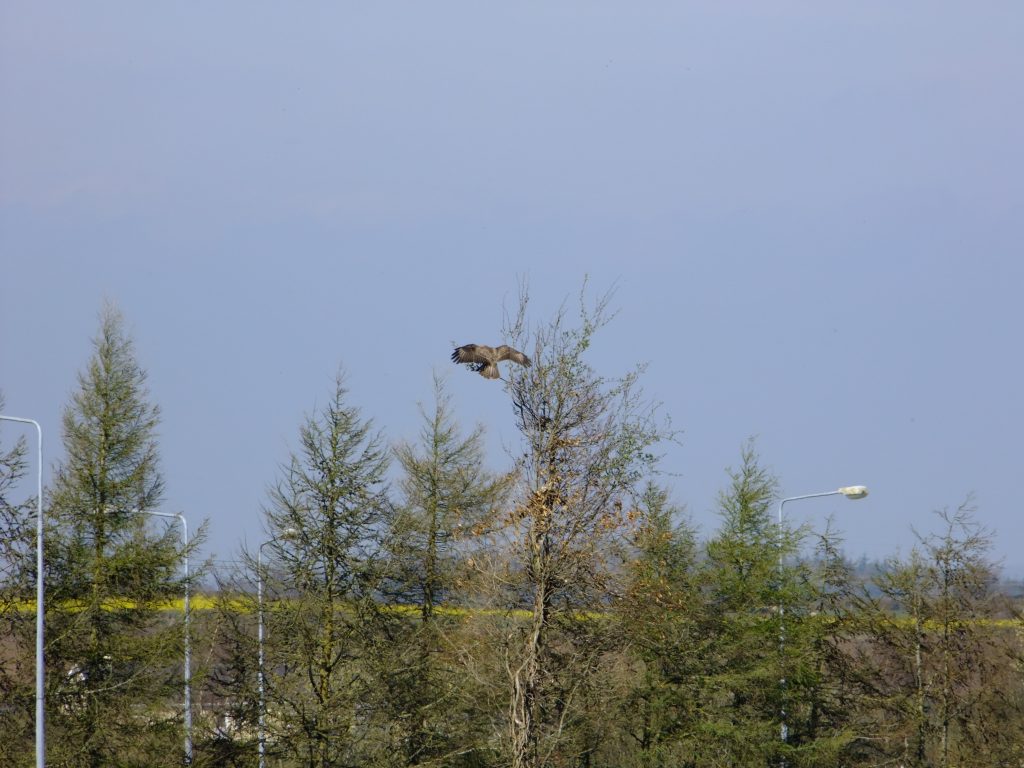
{"x":587,"y":449}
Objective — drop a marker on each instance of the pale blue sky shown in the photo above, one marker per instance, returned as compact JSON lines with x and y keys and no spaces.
{"x":813,"y":214}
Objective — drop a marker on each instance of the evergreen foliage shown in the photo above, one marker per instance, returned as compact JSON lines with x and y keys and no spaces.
{"x":931,"y":662}
{"x":113,"y":657}
{"x":17,"y":579}
{"x":562,"y":613}
{"x":325,"y":517}
{"x":446,"y":495}
{"x":664,"y":621}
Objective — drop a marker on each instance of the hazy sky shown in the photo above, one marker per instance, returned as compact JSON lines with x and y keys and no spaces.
{"x":812,"y":213}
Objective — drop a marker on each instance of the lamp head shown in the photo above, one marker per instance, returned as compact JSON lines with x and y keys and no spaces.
{"x":854,"y":491}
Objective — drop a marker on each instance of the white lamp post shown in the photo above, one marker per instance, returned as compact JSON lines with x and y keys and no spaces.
{"x":188,"y":643}
{"x":850,"y":492}
{"x":288,"y":533}
{"x":40,"y":668}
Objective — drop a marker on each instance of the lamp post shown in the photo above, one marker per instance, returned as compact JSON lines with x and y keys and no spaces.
{"x":849,"y":491}
{"x":40,"y":667}
{"x":288,"y":533}
{"x":188,"y":642}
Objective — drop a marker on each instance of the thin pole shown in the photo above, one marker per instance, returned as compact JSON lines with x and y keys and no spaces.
{"x":188,"y":642}
{"x":288,"y":533}
{"x":188,"y":651}
{"x":40,"y":663}
{"x":783,"y":724}
{"x":262,"y":715}
{"x":187,"y":659}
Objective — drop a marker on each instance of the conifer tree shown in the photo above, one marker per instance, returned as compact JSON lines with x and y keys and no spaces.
{"x":769,"y":693}
{"x":937,"y":673}
{"x":740,"y":697}
{"x":446,"y":494}
{"x":662,"y":616}
{"x":325,"y":517}
{"x":113,"y":657}
{"x":17,"y":625}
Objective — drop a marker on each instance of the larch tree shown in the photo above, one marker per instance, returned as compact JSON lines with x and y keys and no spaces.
{"x":662,"y":615}
{"x":325,"y":518}
{"x":767,"y":691}
{"x":17,"y":625}
{"x":820,"y":701}
{"x":938,"y":670}
{"x":446,"y":492}
{"x":741,"y":701}
{"x":113,"y":653}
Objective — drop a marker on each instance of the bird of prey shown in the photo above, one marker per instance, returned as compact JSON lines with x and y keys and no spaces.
{"x":485,"y":359}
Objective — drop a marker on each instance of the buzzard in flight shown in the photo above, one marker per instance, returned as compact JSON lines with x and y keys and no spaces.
{"x":485,"y":359}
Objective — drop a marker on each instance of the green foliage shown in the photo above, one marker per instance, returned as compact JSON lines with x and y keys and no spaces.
{"x":447,"y":495}
{"x":587,"y":445}
{"x":17,"y":578}
{"x":113,"y":659}
{"x":662,"y":615}
{"x":944,"y":676}
{"x":740,"y":696}
{"x":563,"y":613}
{"x":17,"y":526}
{"x":745,"y":554}
{"x":325,"y":517}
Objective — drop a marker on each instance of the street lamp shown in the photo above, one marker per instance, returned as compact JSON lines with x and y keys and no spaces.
{"x":287,"y":533}
{"x":849,"y":491}
{"x":852,"y":492}
{"x":40,"y":669}
{"x":188,"y":643}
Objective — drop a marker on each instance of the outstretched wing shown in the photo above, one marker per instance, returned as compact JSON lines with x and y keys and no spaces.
{"x":473,"y":353}
{"x":505,"y":352}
